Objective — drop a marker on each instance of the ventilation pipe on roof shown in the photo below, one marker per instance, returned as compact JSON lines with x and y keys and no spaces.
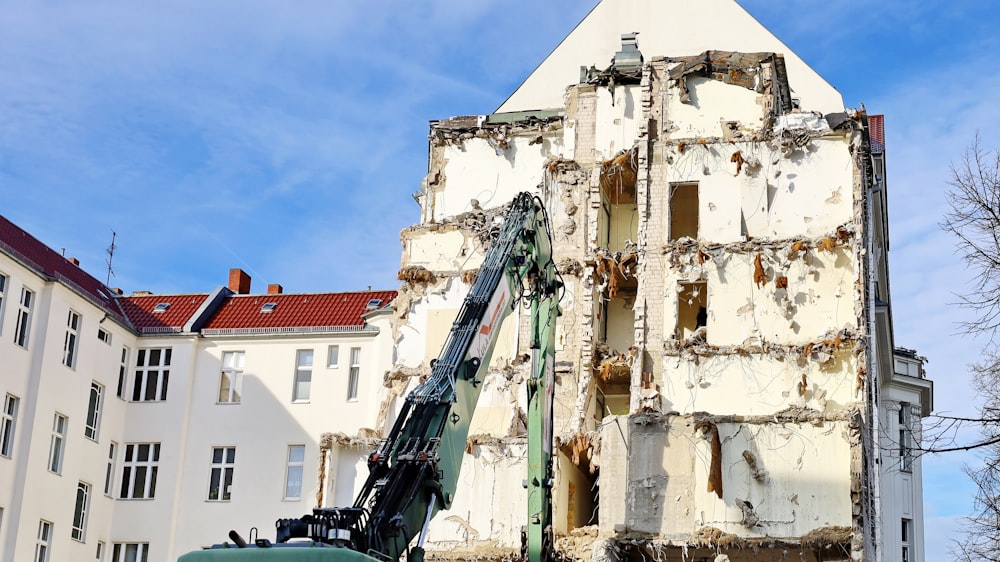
{"x":239,"y":281}
{"x":629,"y":59}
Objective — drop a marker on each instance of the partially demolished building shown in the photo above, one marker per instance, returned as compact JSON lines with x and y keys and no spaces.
{"x":725,"y":348}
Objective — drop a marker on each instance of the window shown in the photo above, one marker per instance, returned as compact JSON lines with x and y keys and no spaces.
{"x":58,"y":443}
{"x":104,"y":336}
{"x":905,"y":438}
{"x":43,"y":541}
{"x":8,"y":422}
{"x":109,"y":474}
{"x":303,"y":375}
{"x":352,"y":378}
{"x":161,"y":307}
{"x":80,"y":512}
{"x":130,"y":552}
{"x":23,"y":325}
{"x":122,"y":370}
{"x":221,"y":483}
{"x":3,"y":291}
{"x":151,"y":375}
{"x":684,"y":211}
{"x":908,"y":368}
{"x":293,"y":474}
{"x":139,"y":471}
{"x":373,"y":304}
{"x":69,"y":344}
{"x":692,"y":309}
{"x":906,"y":536}
{"x":94,"y":410}
{"x":100,"y":551}
{"x":332,"y":356}
{"x":268,"y":307}
{"x":231,"y":379}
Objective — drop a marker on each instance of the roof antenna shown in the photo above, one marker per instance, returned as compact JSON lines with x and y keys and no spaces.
{"x":111,"y":256}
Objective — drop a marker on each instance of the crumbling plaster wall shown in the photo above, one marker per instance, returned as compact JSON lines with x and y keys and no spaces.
{"x":789,"y":470}
{"x":780,"y":364}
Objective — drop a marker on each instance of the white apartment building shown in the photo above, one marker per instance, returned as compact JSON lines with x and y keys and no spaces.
{"x":141,"y":427}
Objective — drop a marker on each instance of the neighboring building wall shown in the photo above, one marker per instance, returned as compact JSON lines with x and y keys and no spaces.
{"x":904,"y":404}
{"x":44,"y":386}
{"x":184,"y":423}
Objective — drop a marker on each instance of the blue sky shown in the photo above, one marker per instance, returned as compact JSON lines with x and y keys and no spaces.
{"x":286,"y":138}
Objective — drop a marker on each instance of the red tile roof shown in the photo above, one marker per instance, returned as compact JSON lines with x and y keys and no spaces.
{"x":49,"y":264}
{"x":296,"y":310}
{"x":876,"y":130}
{"x":139,"y":309}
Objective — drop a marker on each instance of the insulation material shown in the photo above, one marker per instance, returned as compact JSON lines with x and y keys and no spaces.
{"x":715,"y":464}
{"x":615,"y":272}
{"x":618,"y":177}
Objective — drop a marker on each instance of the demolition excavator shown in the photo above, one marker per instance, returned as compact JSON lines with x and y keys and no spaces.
{"x":413,"y":472}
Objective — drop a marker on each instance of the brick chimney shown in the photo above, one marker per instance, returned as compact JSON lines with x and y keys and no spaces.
{"x":73,"y":261}
{"x":275,"y":289}
{"x":239,"y":281}
{"x":117,"y":291}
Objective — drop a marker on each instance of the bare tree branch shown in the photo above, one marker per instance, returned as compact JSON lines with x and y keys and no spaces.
{"x":973,"y":217}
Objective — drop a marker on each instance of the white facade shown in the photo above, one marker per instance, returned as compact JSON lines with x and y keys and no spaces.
{"x":266,"y":421}
{"x":43,"y":386}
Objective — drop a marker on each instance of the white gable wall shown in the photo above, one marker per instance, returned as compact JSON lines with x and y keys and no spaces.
{"x":665,"y":29}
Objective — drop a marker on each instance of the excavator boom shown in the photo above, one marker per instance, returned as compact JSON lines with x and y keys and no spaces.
{"x":414,"y":470}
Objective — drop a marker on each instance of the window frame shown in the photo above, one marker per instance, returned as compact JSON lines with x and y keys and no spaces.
{"x":145,"y":369}
{"x":22,"y":328}
{"x":221,"y":473}
{"x":234,"y":374}
{"x":289,"y":466}
{"x":4,"y":283}
{"x":103,"y":335}
{"x":122,"y":390}
{"x":906,"y":540}
{"x":303,"y":376}
{"x":81,"y":512}
{"x":333,"y":356}
{"x":119,"y":551}
{"x":95,"y":411}
{"x":57,"y":443}
{"x":109,"y":474}
{"x":43,"y":541}
{"x":905,"y":432}
{"x":354,"y":374}
{"x":8,"y":424}
{"x":71,"y":342}
{"x":131,"y":465}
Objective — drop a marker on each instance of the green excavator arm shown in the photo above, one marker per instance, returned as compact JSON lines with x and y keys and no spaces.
{"x":414,"y":471}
